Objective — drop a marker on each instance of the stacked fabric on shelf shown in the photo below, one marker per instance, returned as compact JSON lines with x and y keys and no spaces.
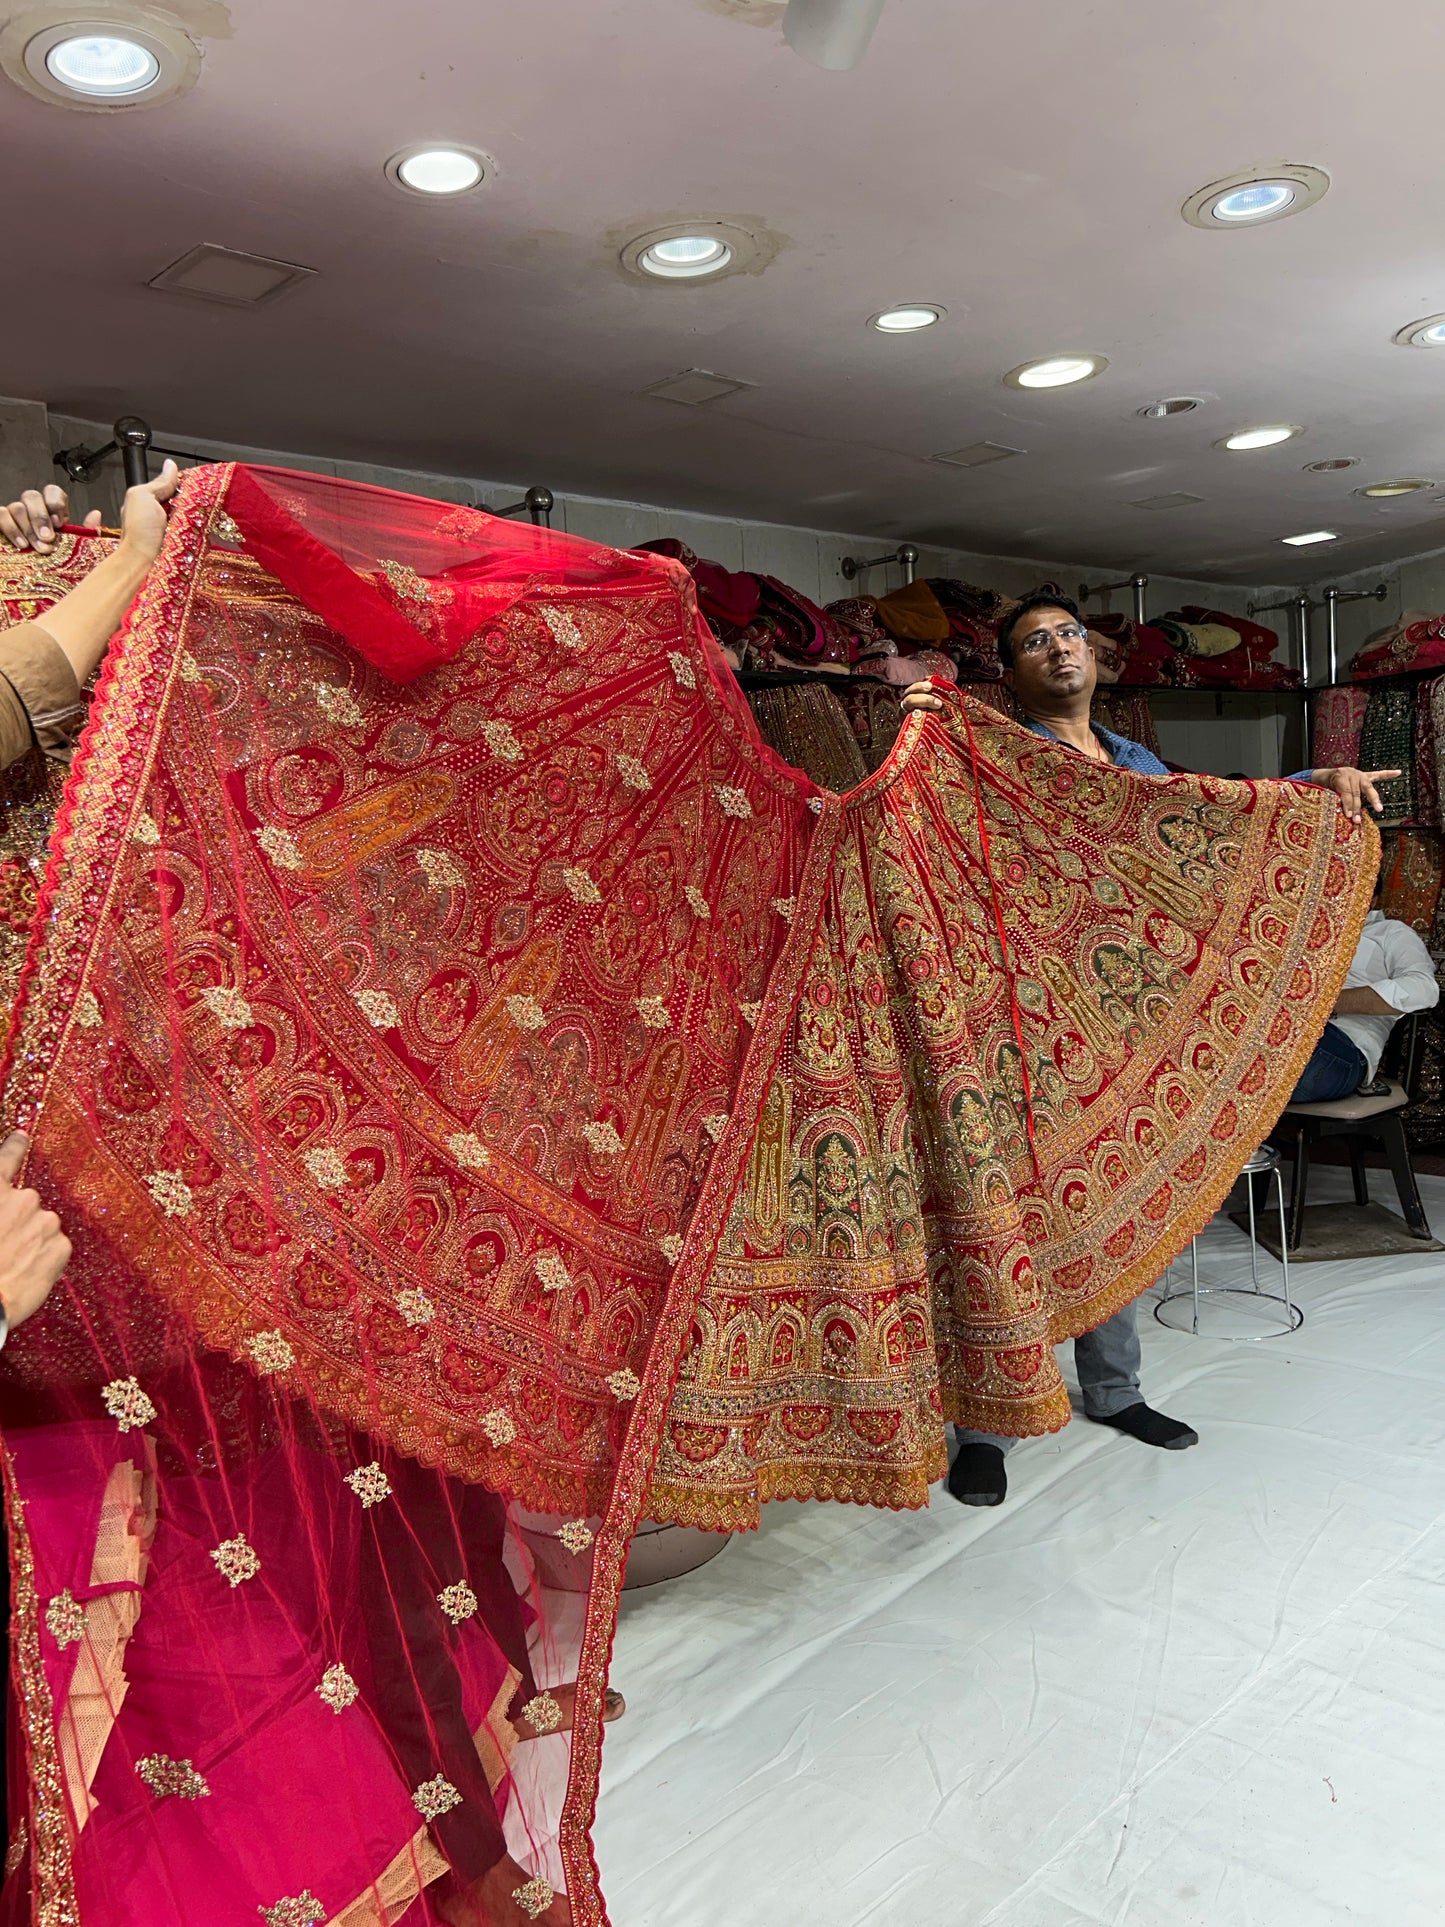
{"x":1415,"y":642}
{"x":1220,"y":651}
{"x":1144,"y":655}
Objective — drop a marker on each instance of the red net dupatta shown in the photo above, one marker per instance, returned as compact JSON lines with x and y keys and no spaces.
{"x":403,"y":941}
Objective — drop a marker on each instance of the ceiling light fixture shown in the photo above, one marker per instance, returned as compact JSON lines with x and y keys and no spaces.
{"x":439,"y":170}
{"x":697,"y":250}
{"x":1257,"y":195}
{"x":1332,"y":466}
{"x":1156,"y":411}
{"x":1055,"y":371}
{"x":833,"y":34}
{"x":101,"y":64}
{"x":908,"y":319}
{"x":1384,"y":491}
{"x":1304,"y":541}
{"x":1267,"y":437}
{"x":1428,"y":333}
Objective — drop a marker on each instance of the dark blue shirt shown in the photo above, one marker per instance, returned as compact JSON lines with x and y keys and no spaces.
{"x":1128,"y":754}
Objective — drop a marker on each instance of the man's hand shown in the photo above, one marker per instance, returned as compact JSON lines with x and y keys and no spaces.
{"x":921,"y":695}
{"x":33,"y":1249}
{"x":1354,"y":787}
{"x":35,"y":520}
{"x":143,"y":516}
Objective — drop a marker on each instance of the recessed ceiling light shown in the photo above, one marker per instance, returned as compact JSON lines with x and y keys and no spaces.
{"x":1429,"y":333}
{"x":1382,"y":491}
{"x":439,"y":170}
{"x":1170,"y":405}
{"x":1255,"y":196}
{"x":1315,"y":535}
{"x":686,"y":256}
{"x":1333,"y":466}
{"x":908,"y":319}
{"x":1055,"y":371}
{"x":1260,"y":437}
{"x":698,"y":250}
{"x":102,"y":64}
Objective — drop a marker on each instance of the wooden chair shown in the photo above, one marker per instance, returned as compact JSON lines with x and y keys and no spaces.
{"x":1370,"y":1115}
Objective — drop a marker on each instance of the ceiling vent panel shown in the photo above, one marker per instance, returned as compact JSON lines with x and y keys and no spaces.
{"x":978,"y":454}
{"x":696,"y":386}
{"x":1166,"y":502}
{"x":223,"y":274}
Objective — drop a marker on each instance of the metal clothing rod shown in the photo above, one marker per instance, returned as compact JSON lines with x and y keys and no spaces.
{"x":1301,"y":606}
{"x":537,"y":505}
{"x":906,"y":556}
{"x":132,"y":437}
{"x":1332,"y":599}
{"x":1138,"y":583}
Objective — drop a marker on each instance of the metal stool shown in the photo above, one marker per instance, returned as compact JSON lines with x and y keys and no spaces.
{"x":1264,"y":1161}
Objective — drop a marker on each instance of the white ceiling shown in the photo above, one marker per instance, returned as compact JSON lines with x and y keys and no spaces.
{"x":1022,"y":163}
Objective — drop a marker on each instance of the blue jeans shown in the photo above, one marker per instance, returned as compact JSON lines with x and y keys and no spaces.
{"x":1337,"y":1069}
{"x":1107,"y":1361}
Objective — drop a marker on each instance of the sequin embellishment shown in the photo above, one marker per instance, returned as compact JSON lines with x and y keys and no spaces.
{"x":435,"y":1797}
{"x":87,"y":1011}
{"x":535,"y":1898}
{"x":731,"y":800}
{"x":785,"y":906}
{"x":326,"y":1166}
{"x":603,"y":1138}
{"x":499,"y":1426}
{"x":171,"y":1193}
{"x":164,"y":1776}
{"x":65,"y":1619}
{"x":681,"y":669}
{"x":236,"y":1559}
{"x":542,"y":1714}
{"x":224,"y":529}
{"x":299,"y":1910}
{"x":525,"y":1012}
{"x":283,"y":850}
{"x":144,"y":831}
{"x":633,"y":774}
{"x":415,"y":1307}
{"x":716,"y":1125}
{"x":270,"y":1352}
{"x":576,"y":1535}
{"x":502,"y":742}
{"x":443,"y":872}
{"x":339,"y":706}
{"x":458,"y":1601}
{"x":653,"y":1012}
{"x":338,"y":1688}
{"x":697,"y":902}
{"x":750,"y":1013}
{"x":624,"y":1384}
{"x":581,"y":886}
{"x":227,"y":1006}
{"x":467,"y":1148}
{"x":370,"y":1484}
{"x":128,"y":1404}
{"x":378,"y":1009}
{"x":671,"y":1246}
{"x":552,"y":1271}
{"x":406,"y":584}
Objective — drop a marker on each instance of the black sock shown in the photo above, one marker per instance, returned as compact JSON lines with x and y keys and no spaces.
{"x":977,"y":1475}
{"x":1142,"y":1422}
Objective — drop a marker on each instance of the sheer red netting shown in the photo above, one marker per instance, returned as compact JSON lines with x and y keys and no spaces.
{"x":386,"y":977}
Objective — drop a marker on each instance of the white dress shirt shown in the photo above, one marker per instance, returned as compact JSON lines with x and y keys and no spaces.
{"x":1392,"y":961}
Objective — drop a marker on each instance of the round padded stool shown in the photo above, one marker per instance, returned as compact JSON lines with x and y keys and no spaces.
{"x":1262,"y":1163}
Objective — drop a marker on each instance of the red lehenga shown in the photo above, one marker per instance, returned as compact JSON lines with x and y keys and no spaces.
{"x":475,"y":1070}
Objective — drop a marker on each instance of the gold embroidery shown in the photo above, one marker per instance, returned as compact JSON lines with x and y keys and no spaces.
{"x":602,"y":1137}
{"x":338,"y":1688}
{"x":576,"y":1535}
{"x":339,"y":706}
{"x":171,"y":1193}
{"x":467,"y":1148}
{"x":716,"y":1125}
{"x":526,"y":1013}
{"x":165,"y":1776}
{"x":633,"y":774}
{"x":370,"y":1484}
{"x":299,"y":1910}
{"x":501,"y":741}
{"x":500,"y":1427}
{"x":681,"y":669}
{"x":443,"y":872}
{"x":228,"y":1007}
{"x":224,"y":529}
{"x":535,"y":1898}
{"x":553,"y":1271}
{"x":378,"y":1009}
{"x":624,"y":1384}
{"x":405,"y":583}
{"x":127,"y":1404}
{"x":191,"y":670}
{"x":563,"y":625}
{"x":750,"y":1013}
{"x":653,"y":1012}
{"x":785,"y":906}
{"x":583,"y":889}
{"x":65,"y":1618}
{"x":236,"y":1559}
{"x":144,"y":830}
{"x":697,"y":901}
{"x":542,"y":1714}
{"x":15,"y":1852}
{"x":457,"y":1601}
{"x":671,"y":1246}
{"x":731,"y":800}
{"x":283,"y":850}
{"x":270,"y":1352}
{"x":435,"y":1797}
{"x":87,"y":1010}
{"x":415,"y":1307}
{"x":326,"y":1166}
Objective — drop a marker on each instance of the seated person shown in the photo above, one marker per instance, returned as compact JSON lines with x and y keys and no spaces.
{"x":1393,"y":974}
{"x":45,"y":665}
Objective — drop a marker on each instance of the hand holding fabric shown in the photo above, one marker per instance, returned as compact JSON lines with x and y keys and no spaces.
{"x":34,"y":1251}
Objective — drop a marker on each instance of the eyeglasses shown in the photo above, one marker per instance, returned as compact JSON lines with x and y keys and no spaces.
{"x":1041,"y":638}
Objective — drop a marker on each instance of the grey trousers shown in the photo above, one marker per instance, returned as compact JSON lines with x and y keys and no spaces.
{"x":1107,"y":1361}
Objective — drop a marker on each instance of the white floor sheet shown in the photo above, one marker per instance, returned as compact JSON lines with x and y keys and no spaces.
{"x":1154,"y":1689}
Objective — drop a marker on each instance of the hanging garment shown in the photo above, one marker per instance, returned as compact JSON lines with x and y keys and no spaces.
{"x":1338,"y":717}
{"x":876,"y":715}
{"x":1387,"y":741}
{"x":477,"y":1073}
{"x":809,"y":726}
{"x":1410,"y":878}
